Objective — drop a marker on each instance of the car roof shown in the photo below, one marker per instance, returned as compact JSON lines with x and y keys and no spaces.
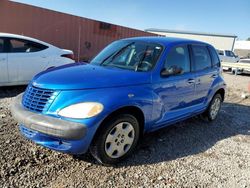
{"x":10,"y":35}
{"x":166,"y":41}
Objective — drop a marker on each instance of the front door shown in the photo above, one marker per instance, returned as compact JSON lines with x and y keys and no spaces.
{"x":3,"y":63}
{"x":175,"y":92}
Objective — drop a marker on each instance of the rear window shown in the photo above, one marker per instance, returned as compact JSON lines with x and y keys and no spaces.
{"x":214,"y":57}
{"x":25,"y":46}
{"x":201,"y":56}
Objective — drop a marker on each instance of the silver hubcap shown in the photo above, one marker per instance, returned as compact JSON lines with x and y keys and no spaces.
{"x":215,"y":107}
{"x":119,"y":140}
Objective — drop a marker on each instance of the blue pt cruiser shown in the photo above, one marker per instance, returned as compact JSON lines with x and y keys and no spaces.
{"x":132,"y":86}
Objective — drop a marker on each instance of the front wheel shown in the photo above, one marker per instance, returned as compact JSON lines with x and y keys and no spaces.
{"x":116,"y":139}
{"x":213,"y":108}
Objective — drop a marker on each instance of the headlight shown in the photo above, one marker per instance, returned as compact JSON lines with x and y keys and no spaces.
{"x":81,"y":110}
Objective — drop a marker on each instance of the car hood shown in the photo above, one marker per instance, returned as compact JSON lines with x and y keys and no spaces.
{"x":87,"y":76}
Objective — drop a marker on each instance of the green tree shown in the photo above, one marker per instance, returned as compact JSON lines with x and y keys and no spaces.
{"x":248,"y":39}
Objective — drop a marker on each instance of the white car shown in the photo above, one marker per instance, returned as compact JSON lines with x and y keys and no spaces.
{"x":23,"y":57}
{"x":241,"y":70}
{"x":228,"y":57}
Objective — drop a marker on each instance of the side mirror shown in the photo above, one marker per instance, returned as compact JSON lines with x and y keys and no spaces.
{"x":173,"y":70}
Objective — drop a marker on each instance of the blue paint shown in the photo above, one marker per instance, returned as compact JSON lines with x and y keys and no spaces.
{"x":163,"y":100}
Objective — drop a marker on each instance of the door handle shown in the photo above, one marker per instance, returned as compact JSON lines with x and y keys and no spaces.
{"x":191,"y":81}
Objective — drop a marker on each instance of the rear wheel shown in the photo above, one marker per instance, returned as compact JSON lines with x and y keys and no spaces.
{"x":116,"y":139}
{"x":213,"y":108}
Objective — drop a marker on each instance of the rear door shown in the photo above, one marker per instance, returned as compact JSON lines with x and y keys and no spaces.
{"x":25,"y":59}
{"x":3,"y":62}
{"x":205,"y":72}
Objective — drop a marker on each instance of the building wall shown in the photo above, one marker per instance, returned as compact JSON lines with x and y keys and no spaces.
{"x":242,"y":48}
{"x":219,"y":42}
{"x":84,"y":36}
{"x":242,"y":44}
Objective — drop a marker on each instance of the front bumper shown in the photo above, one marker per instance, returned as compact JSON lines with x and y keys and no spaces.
{"x":54,"y":133}
{"x":47,"y":125}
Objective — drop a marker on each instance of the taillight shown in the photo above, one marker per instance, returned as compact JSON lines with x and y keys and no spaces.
{"x":70,"y":56}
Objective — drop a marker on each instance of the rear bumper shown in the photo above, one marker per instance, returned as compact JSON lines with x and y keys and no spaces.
{"x":45,"y":124}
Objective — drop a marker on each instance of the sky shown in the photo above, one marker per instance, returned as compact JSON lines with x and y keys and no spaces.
{"x":212,"y":16}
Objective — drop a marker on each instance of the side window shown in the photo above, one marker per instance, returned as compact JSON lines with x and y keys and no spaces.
{"x":214,"y":57}
{"x":178,"y":57}
{"x":232,"y":54}
{"x":229,"y":53}
{"x":25,"y":46}
{"x":201,"y":56}
{"x":1,"y":45}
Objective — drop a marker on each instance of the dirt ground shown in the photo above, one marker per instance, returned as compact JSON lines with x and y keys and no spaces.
{"x":193,"y":153}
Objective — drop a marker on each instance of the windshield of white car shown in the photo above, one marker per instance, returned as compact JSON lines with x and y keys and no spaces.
{"x":130,"y":55}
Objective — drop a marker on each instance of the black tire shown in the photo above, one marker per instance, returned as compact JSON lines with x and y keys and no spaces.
{"x":208,"y":113}
{"x":97,"y":148}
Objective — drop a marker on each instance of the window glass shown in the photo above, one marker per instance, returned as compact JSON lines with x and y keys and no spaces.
{"x":202,"y":58}
{"x":178,"y":57}
{"x":214,"y":56}
{"x":1,"y":45}
{"x":232,"y":54}
{"x":25,"y":46}
{"x":130,"y":55}
{"x":229,"y":53}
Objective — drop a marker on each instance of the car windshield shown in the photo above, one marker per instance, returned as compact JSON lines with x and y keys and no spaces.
{"x":130,"y":55}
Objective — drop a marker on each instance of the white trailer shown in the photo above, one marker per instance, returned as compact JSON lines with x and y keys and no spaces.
{"x":219,"y":41}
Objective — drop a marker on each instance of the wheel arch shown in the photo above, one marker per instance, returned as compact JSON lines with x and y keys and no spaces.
{"x":132,"y":110}
{"x":221,"y":91}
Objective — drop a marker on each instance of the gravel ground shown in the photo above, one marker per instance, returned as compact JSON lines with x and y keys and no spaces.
{"x":237,"y":83}
{"x":192,"y":153}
